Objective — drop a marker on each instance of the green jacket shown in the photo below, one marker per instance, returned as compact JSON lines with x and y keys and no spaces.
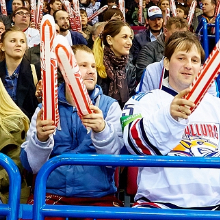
{"x":135,"y":16}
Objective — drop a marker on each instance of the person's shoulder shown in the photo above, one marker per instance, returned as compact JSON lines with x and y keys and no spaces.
{"x":32,"y":31}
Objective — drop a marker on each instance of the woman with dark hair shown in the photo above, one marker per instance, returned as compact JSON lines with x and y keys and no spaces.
{"x":16,"y":72}
{"x":117,"y":76}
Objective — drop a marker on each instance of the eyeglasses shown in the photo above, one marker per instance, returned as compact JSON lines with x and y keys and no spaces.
{"x":21,"y":13}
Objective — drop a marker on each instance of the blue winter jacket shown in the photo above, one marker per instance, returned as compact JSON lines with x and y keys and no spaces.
{"x":72,"y":180}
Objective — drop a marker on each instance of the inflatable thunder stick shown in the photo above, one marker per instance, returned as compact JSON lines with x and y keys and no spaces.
{"x":49,"y":70}
{"x":3,"y":7}
{"x":173,"y":7}
{"x":121,"y":4}
{"x":39,"y":14}
{"x":67,"y":6}
{"x":205,"y":77}
{"x":77,"y":15}
{"x":140,"y":12}
{"x":98,"y":12}
{"x":72,"y":76}
{"x":167,"y":15}
{"x":191,"y":13}
{"x":33,"y":12}
{"x":217,"y":11}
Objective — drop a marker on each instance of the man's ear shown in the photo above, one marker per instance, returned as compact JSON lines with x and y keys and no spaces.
{"x":166,"y":63}
{"x":13,"y":19}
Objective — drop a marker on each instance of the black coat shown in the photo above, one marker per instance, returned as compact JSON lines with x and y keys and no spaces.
{"x":26,"y":99}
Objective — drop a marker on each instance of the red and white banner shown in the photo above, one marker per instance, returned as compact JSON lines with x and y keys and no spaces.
{"x":72,"y":76}
{"x":121,"y":5}
{"x":102,"y":9}
{"x":33,"y":12}
{"x":140,"y":12}
{"x":167,"y":15}
{"x":76,"y":10}
{"x":191,"y":13}
{"x":39,"y":14}
{"x":49,"y":70}
{"x":173,"y":7}
{"x":3,"y":7}
{"x":206,"y":77}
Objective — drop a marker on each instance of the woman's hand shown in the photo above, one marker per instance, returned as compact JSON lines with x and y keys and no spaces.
{"x":95,"y":120}
{"x":44,"y":127}
{"x":38,"y":92}
{"x":180,"y":107}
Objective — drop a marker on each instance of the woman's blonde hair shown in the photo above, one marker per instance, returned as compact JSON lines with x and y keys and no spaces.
{"x":11,"y":115}
{"x":112,"y":28}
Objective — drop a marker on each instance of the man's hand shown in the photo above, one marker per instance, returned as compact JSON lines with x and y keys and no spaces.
{"x":180,"y":107}
{"x":44,"y":127}
{"x":95,"y":120}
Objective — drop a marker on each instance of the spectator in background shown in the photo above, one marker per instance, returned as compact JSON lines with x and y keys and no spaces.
{"x":77,"y":184}
{"x":21,"y":19}
{"x":86,"y":28}
{"x":113,"y":13}
{"x":2,"y":28}
{"x":135,"y":15}
{"x":61,"y":17}
{"x":54,"y":5}
{"x":117,"y":76}
{"x":111,"y":3}
{"x":94,"y":5}
{"x":16,"y":72}
{"x":45,"y":8}
{"x":15,"y":4}
{"x":97,"y":29}
{"x":27,"y":4}
{"x":163,"y":5}
{"x":155,"y":22}
{"x":182,"y":10}
{"x":13,"y":127}
{"x":153,"y":51}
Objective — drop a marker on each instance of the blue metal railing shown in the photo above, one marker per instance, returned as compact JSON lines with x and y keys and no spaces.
{"x":40,"y":209}
{"x":11,"y":210}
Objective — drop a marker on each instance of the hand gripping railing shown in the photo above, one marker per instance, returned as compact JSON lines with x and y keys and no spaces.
{"x":11,"y":210}
{"x":40,"y":209}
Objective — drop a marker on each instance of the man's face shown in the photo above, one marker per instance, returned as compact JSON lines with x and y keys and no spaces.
{"x":57,"y":5}
{"x":16,"y":4}
{"x":87,"y":67}
{"x":62,"y":19}
{"x":22,"y":17}
{"x":156,"y":24}
{"x":183,"y":67}
{"x":173,"y":29}
{"x":207,"y":7}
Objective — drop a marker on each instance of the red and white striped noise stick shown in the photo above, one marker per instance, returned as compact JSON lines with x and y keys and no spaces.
{"x":98,"y":12}
{"x":191,"y":13}
{"x":39,"y":14}
{"x":121,"y":5}
{"x":140,"y":12}
{"x":77,"y":15}
{"x":72,"y":76}
{"x":206,"y":77}
{"x":167,"y":15}
{"x":33,"y":12}
{"x":3,"y":7}
{"x":49,"y":70}
{"x":217,"y":11}
{"x":69,"y":10}
{"x":173,"y":7}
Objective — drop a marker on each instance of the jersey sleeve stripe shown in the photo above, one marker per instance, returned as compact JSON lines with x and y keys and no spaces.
{"x":144,"y":136}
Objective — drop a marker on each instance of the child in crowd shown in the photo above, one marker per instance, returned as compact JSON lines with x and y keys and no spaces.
{"x":182,"y":10}
{"x":86,"y":28}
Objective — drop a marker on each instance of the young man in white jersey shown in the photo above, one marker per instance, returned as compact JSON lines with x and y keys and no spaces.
{"x":160,"y":122}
